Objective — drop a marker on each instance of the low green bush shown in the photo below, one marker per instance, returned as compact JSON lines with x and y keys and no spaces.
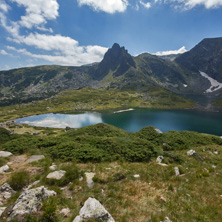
{"x":19,"y":180}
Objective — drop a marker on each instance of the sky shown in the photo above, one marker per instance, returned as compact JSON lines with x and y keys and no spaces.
{"x":79,"y":32}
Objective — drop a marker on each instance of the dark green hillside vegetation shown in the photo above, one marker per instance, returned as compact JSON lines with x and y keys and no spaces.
{"x":102,"y":142}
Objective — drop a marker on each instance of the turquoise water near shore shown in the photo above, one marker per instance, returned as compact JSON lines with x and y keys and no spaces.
{"x":134,"y":120}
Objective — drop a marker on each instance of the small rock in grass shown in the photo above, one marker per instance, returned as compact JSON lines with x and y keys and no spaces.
{"x":53,"y":167}
{"x":89,"y":179}
{"x":57,"y":175}
{"x":5,"y":154}
{"x":166,"y":219}
{"x":191,"y":152}
{"x":3,"y":169}
{"x":65,"y":212}
{"x":93,"y":209}
{"x":136,"y":176}
{"x":216,"y":152}
{"x":213,"y":166}
{"x":35,"y":158}
{"x":163,"y":199}
{"x":6,"y":191}
{"x":159,"y":159}
{"x":177,"y":171}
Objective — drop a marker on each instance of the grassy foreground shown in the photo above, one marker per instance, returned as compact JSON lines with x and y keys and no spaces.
{"x":115,"y":156}
{"x":97,"y":99}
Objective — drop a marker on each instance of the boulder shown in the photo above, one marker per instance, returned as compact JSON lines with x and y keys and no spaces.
{"x":93,"y":209}
{"x":30,"y":201}
{"x":5,"y":154}
{"x":6,"y":192}
{"x":2,"y":209}
{"x":89,"y":179}
{"x":57,"y":175}
{"x":35,"y":158}
{"x":3,"y":169}
{"x":158,"y":131}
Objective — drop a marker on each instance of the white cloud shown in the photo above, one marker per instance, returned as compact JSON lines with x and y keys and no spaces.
{"x":189,"y":4}
{"x":37,"y":12}
{"x":170,"y":52}
{"x":4,"y":7}
{"x":3,"y":52}
{"x":108,"y":6}
{"x":146,"y":5}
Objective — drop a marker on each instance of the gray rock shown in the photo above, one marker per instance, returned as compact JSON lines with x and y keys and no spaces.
{"x":136,"y":176}
{"x":32,"y":185}
{"x":6,"y":192}
{"x":65,"y":212}
{"x":158,"y":131}
{"x":177,"y":171}
{"x":30,"y":201}
{"x":2,"y":209}
{"x":191,"y":152}
{"x":3,"y":169}
{"x":57,"y":175}
{"x":5,"y":154}
{"x":93,"y":209}
{"x":53,"y":167}
{"x":159,"y":159}
{"x":166,"y":219}
{"x":35,"y":158}
{"x":89,"y":179}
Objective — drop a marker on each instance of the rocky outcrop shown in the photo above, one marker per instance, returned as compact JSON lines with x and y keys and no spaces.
{"x":2,"y":209}
{"x":57,"y":175}
{"x":93,"y":209}
{"x":30,"y":201}
{"x":35,"y":158}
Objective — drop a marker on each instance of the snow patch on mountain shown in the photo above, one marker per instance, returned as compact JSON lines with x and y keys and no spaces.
{"x":215,"y":85}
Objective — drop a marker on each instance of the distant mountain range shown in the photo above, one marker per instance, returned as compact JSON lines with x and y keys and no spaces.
{"x":197,"y":72}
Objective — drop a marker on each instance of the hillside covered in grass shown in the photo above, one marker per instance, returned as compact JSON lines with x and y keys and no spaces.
{"x":128,"y":181}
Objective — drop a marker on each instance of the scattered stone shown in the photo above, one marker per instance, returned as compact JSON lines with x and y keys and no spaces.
{"x":57,"y":175}
{"x":206,"y":170}
{"x":162,"y":164}
{"x":136,"y":176}
{"x":2,"y":209}
{"x":65,"y":212}
{"x":6,"y":192}
{"x":216,"y":152}
{"x":163,"y":199}
{"x":35,"y":158}
{"x":191,"y":152}
{"x":3,"y":169}
{"x":81,"y":178}
{"x":53,"y":167}
{"x":30,"y":201}
{"x":158,"y":131}
{"x":210,"y":152}
{"x":188,"y":195}
{"x":35,"y":134}
{"x":177,"y":171}
{"x":68,"y":128}
{"x":89,"y":179}
{"x":108,"y":168}
{"x":166,"y":219}
{"x":5,"y":154}
{"x":93,"y":209}
{"x":102,"y":191}
{"x":159,"y":159}
{"x":33,"y":184}
{"x":213,"y":166}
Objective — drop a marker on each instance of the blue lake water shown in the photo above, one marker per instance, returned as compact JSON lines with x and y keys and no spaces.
{"x":134,"y":120}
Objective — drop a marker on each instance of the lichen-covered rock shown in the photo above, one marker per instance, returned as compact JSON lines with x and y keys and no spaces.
{"x":191,"y":152}
{"x":93,"y":209}
{"x":53,"y":167}
{"x":57,"y":175}
{"x":159,"y":159}
{"x":5,"y":154}
{"x":6,"y":192}
{"x":30,"y":201}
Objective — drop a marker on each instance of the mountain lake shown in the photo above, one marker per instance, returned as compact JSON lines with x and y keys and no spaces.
{"x":135,"y":119}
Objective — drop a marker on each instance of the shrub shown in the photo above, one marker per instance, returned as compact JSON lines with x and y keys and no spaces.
{"x":49,"y":210}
